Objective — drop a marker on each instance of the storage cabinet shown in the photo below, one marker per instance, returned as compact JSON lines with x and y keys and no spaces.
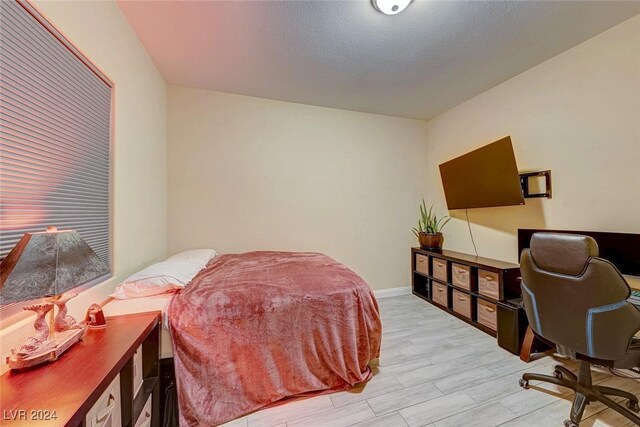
{"x":512,"y":324}
{"x":468,"y":287}
{"x":100,"y":370}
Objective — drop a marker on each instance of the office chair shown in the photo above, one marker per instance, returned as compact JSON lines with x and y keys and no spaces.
{"x":579,"y":302}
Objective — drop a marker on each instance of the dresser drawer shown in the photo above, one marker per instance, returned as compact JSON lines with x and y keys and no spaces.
{"x":462,"y":303}
{"x":422,"y":264}
{"x":487,"y":314}
{"x":106,"y":411}
{"x":439,"y":269}
{"x":440,"y":294}
{"x":460,"y":275}
{"x":489,"y":284}
{"x":144,"y":419}
{"x":137,"y":370}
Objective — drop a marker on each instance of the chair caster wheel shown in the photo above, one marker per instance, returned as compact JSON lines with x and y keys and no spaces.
{"x":633,"y":406}
{"x":524,"y":384}
{"x":569,"y":423}
{"x":557,"y":374}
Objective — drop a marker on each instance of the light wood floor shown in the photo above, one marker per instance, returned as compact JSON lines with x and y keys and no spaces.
{"x":436,"y":370}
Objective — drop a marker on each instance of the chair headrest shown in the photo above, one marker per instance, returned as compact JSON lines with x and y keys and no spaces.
{"x":562,"y":253}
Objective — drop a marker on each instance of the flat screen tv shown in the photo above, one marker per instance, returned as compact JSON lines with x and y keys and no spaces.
{"x":483,"y":178}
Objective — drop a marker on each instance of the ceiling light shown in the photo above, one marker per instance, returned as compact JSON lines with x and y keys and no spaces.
{"x":390,"y":7}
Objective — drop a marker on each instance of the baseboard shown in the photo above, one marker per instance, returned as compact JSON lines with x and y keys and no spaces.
{"x":392,"y":292}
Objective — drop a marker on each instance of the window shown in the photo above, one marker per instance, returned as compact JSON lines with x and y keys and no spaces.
{"x":55,"y":125}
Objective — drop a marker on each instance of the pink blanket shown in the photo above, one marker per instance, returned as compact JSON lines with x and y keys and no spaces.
{"x":254,"y":328}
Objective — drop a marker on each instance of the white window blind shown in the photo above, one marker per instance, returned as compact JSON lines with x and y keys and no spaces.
{"x":55,"y":123}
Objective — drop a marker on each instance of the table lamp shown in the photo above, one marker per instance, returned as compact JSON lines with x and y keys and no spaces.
{"x":46,"y":265}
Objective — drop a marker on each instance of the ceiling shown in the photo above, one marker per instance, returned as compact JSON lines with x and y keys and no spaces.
{"x":345,"y":54}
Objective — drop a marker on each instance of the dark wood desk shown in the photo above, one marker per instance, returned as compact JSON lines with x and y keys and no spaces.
{"x":633,"y":281}
{"x":71,"y":385}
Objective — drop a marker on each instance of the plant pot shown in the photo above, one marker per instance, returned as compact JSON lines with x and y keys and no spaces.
{"x":431,"y":240}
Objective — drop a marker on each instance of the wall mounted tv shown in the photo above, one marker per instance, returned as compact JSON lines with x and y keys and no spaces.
{"x":483,"y":178}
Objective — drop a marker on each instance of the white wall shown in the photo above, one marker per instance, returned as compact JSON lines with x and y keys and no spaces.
{"x":255,"y":174}
{"x":577,"y":114}
{"x":139,"y":197}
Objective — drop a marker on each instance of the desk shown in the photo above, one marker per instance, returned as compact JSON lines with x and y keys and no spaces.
{"x":84,"y":372}
{"x":633,"y":281}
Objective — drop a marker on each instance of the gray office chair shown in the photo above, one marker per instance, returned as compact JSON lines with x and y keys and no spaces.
{"x":579,"y":302}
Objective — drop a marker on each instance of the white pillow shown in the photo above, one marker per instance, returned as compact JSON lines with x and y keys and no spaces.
{"x":157,"y":279}
{"x":203,"y":256}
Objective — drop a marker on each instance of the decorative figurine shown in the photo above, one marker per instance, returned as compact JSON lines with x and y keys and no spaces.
{"x":45,"y":345}
{"x":40,"y":341}
{"x":63,"y":321}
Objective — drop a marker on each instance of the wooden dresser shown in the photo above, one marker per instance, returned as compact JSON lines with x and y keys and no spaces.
{"x":87,"y":385}
{"x":472,"y":288}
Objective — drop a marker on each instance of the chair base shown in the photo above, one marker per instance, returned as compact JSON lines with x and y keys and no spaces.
{"x":586,"y":392}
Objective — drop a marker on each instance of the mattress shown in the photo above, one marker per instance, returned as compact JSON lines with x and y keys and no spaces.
{"x":143,"y":305}
{"x":254,"y":328}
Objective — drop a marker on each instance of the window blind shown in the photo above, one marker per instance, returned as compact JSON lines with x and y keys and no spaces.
{"x":55,"y":123}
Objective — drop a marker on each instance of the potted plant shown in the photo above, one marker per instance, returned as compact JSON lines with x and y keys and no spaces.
{"x":429,"y":230}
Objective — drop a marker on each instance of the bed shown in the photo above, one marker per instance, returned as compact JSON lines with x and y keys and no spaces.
{"x":142,"y":305}
{"x":252,"y":329}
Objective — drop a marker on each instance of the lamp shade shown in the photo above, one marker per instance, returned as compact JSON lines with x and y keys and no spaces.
{"x":47,"y":264}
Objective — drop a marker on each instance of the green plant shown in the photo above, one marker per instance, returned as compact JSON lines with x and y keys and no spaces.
{"x":428,"y":222}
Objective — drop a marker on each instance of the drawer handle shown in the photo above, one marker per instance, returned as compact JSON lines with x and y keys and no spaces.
{"x":111,"y":403}
{"x":439,"y":290}
{"x":462,"y":298}
{"x":440,"y":264}
{"x":488,"y":278}
{"x":490,"y":310}
{"x":460,"y":271}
